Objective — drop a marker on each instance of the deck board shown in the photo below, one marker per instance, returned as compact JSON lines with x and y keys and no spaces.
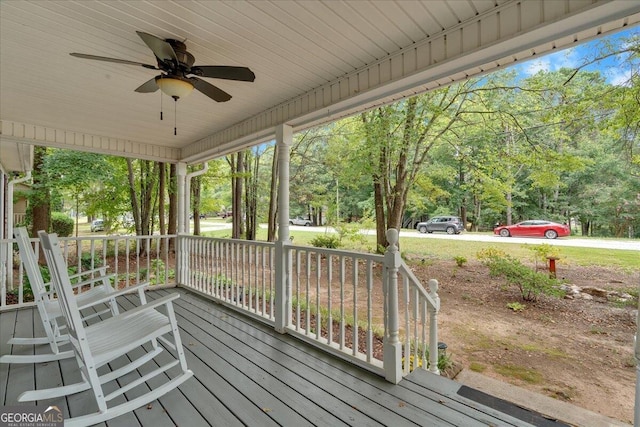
{"x":248,"y":374}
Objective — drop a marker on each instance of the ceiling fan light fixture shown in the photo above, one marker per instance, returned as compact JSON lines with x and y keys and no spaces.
{"x":173,"y":86}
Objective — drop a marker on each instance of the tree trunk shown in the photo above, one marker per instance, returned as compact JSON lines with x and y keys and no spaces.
{"x":173,"y":204}
{"x":133,"y":195}
{"x":141,"y":203}
{"x":381,"y":238}
{"x":196,"y":184}
{"x":237,"y":172}
{"x":463,"y":203}
{"x":161,"y":191}
{"x":273,"y":199}
{"x":251,"y":198}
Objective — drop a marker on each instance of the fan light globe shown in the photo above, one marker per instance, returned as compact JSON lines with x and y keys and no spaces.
{"x":174,"y":87}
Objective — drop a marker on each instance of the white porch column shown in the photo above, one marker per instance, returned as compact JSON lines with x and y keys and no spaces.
{"x":181,"y":254}
{"x":284,"y":137}
{"x":3,"y":219}
{"x":9,"y":223}
{"x":3,"y":223}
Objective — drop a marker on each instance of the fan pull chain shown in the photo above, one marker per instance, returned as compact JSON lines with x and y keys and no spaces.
{"x":160,"y":105}
{"x":175,"y":117}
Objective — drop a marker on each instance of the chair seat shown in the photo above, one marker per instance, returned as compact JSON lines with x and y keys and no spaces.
{"x":115,"y":336}
{"x":85,"y":298}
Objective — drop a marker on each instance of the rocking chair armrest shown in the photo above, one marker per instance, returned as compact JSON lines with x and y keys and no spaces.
{"x":92,"y":280}
{"x":140,"y":287}
{"x":102,"y":271}
{"x":50,"y":292}
{"x":165,"y":300}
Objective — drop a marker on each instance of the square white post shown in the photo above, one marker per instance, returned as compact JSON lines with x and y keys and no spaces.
{"x":392,"y":345}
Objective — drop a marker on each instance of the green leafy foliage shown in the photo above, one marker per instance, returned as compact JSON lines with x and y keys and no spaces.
{"x":460,"y":260}
{"x":61,"y":224}
{"x":89,"y":262}
{"x":351,"y":232}
{"x":444,"y":360}
{"x":541,"y":253}
{"x":516,"y":306}
{"x":326,"y":241}
{"x":529,"y":282}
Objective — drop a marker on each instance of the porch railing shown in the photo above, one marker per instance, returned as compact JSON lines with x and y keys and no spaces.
{"x":366,"y":308}
{"x":369,"y":309}
{"x":133,"y":260}
{"x":238,"y":273}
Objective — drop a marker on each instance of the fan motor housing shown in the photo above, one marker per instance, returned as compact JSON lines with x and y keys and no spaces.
{"x":185,"y":58}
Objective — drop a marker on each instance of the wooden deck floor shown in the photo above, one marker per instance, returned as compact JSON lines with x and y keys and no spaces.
{"x":247,"y":374}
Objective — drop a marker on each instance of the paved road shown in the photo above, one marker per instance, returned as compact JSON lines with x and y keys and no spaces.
{"x":631,"y":245}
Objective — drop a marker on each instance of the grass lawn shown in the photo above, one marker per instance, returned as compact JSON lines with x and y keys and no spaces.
{"x":451,"y":248}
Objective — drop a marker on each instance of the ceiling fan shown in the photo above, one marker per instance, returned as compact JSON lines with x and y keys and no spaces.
{"x":178,"y":74}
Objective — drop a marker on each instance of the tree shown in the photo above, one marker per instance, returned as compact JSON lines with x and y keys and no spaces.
{"x":273,"y":197}
{"x":143,"y":181}
{"x":79,"y":173}
{"x":397,"y":140}
{"x":237,"y":165}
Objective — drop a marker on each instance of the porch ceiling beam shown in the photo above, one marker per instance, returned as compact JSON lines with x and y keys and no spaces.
{"x":511,"y":32}
{"x":25,"y":133}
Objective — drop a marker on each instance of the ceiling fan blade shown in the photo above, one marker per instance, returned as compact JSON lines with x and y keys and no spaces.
{"x":119,"y":61}
{"x":210,"y":90}
{"x":224,"y":72}
{"x":148,"y":87}
{"x":160,"y":48}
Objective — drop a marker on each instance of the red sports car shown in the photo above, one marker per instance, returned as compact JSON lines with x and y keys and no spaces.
{"x":534,"y":228}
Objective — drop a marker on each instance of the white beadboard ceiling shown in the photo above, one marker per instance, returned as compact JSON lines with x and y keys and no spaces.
{"x":314,"y":61}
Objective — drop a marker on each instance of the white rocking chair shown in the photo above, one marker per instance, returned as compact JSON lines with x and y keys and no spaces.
{"x":49,"y":309}
{"x":98,"y":344}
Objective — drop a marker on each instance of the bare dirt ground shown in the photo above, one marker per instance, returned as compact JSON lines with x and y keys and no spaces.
{"x":575,"y":350}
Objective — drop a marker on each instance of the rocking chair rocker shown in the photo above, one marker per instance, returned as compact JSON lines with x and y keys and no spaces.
{"x":98,"y":344}
{"x":49,"y":309}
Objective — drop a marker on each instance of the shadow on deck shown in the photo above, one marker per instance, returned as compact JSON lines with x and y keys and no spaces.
{"x":247,"y":374}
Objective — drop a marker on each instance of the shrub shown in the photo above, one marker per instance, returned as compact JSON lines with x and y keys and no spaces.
{"x":489,"y":253}
{"x":88,"y":262}
{"x":444,"y":361}
{"x":516,"y":306}
{"x":531,"y":283}
{"x":351,"y":232}
{"x":326,"y":241}
{"x":460,"y":260}
{"x":61,"y":224}
{"x":542,"y":252}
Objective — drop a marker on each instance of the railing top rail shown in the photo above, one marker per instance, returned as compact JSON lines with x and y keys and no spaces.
{"x":404,"y":269}
{"x":223,"y":239}
{"x":114,"y":237}
{"x":339,"y":252}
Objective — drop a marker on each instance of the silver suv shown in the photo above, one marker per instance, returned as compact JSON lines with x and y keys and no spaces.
{"x":448,"y":224}
{"x":299,"y":221}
